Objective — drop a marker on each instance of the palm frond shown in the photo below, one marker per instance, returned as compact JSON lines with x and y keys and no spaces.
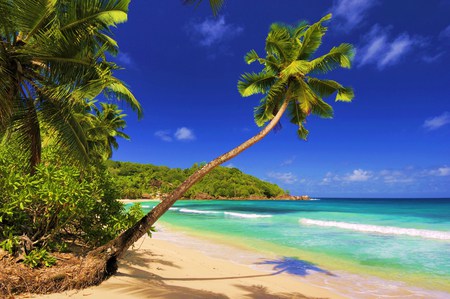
{"x":325,"y":88}
{"x":216,"y":5}
{"x":89,"y":12}
{"x":60,"y":118}
{"x":312,"y":38}
{"x":253,"y":83}
{"x":279,"y":43}
{"x":120,"y":91}
{"x":302,"y":132}
{"x":251,"y":57}
{"x":296,"y":67}
{"x":345,"y":94}
{"x":340,"y":56}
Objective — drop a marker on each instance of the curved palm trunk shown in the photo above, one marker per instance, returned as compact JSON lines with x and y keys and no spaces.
{"x":117,"y":247}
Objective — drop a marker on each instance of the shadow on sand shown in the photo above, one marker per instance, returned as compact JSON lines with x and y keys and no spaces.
{"x":145,"y":284}
{"x":294,"y":266}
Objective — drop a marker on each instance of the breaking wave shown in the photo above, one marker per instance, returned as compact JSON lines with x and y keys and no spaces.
{"x":388,"y":230}
{"x":240,"y":215}
{"x":197,"y":211}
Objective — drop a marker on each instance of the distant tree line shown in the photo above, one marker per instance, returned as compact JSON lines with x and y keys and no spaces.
{"x":135,"y":180}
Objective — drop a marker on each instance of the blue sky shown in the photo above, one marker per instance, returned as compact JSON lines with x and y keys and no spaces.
{"x":391,"y":141}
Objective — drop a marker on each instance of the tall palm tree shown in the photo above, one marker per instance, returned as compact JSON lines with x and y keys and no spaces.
{"x":52,"y":57}
{"x":286,"y":84}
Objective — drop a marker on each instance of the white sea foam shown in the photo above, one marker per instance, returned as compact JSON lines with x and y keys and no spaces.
{"x":197,"y":211}
{"x":314,"y":199}
{"x":240,"y":215}
{"x":388,"y":230}
{"x":174,"y":209}
{"x":146,"y":207}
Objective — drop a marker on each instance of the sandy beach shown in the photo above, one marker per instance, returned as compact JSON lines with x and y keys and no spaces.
{"x":158,"y":268}
{"x":141,"y":200}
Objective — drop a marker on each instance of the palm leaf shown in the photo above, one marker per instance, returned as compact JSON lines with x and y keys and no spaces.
{"x":253,"y":83}
{"x":296,"y":67}
{"x":340,"y":56}
{"x":312,"y":38}
{"x":325,"y":88}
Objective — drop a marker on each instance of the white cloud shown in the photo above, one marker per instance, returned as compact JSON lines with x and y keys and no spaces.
{"x":230,"y":165}
{"x":164,"y":135}
{"x":181,"y":134}
{"x":184,"y":133}
{"x":125,"y":59}
{"x":351,"y":12}
{"x":445,"y":34}
{"x":381,"y":50}
{"x":213,"y":31}
{"x":395,"y":176}
{"x":358,"y":175}
{"x":288,"y":161}
{"x":441,"y":171}
{"x":285,"y":177}
{"x":437,"y":122}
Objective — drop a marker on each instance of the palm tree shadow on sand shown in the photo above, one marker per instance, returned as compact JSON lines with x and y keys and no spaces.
{"x":294,"y":266}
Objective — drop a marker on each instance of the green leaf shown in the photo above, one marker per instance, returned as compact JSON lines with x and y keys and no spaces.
{"x":297,"y":67}
{"x":253,"y":83}
{"x":312,"y":38}
{"x":345,"y":94}
{"x":302,"y":132}
{"x":251,"y":57}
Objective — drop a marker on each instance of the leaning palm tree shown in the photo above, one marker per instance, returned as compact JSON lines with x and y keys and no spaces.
{"x":52,"y":57}
{"x":287,"y":85}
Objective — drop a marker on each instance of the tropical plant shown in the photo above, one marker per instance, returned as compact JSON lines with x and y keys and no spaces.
{"x":105,"y":125}
{"x":59,"y":203}
{"x":52,"y":58}
{"x":286,"y":83}
{"x":216,"y":5}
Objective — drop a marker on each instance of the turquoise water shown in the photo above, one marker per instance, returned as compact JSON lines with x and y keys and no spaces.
{"x":398,"y":239}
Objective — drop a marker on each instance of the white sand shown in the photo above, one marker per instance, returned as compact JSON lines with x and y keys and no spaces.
{"x":165,"y":269}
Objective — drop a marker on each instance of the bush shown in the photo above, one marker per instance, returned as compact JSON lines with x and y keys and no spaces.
{"x":61,"y":202}
{"x":39,"y":257}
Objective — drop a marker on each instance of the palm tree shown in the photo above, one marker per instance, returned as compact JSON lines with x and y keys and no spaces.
{"x":286,"y":84}
{"x":105,"y":126}
{"x":52,"y":57}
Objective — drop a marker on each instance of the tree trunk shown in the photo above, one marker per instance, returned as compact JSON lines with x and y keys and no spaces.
{"x":117,"y":247}
{"x":34,"y":134}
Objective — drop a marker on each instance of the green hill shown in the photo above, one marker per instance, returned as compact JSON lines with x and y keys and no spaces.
{"x":145,"y":180}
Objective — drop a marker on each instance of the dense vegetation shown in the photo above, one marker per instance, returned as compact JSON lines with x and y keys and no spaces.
{"x":60,"y":205}
{"x":135,"y":180}
{"x":55,"y":191}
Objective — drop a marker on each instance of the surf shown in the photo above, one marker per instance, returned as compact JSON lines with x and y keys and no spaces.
{"x":387,"y":230}
{"x":241,"y":215}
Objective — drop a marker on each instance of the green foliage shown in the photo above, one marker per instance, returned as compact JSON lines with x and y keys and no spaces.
{"x":10,"y":244}
{"x":39,"y":257}
{"x":135,"y":213}
{"x":53,"y":58}
{"x":58,"y":204}
{"x":134,"y":180}
{"x":286,"y":75}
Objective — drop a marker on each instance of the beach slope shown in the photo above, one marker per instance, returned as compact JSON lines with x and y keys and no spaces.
{"x":161,"y":269}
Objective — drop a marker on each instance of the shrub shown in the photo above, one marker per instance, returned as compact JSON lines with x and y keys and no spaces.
{"x":61,"y":202}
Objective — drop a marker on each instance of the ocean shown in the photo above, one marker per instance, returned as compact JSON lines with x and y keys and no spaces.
{"x":402,"y":244}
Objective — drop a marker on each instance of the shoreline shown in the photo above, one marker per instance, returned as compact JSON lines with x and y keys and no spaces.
{"x":176,"y":264}
{"x":161,"y":268}
{"x":297,"y":198}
